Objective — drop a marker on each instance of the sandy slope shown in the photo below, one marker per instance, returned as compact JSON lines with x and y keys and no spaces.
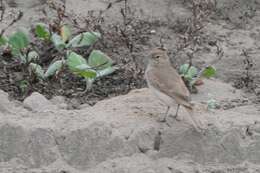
{"x":118,"y":135}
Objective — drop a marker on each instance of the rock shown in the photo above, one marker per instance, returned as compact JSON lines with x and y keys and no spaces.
{"x":34,"y":148}
{"x":109,"y":137}
{"x":73,"y":104}
{"x":5,"y":104}
{"x":85,"y":148}
{"x":36,"y":102}
{"x":133,"y":164}
{"x":234,"y":152}
{"x":253,"y":152}
{"x":84,"y":106}
{"x":145,"y":138}
{"x":60,"y":102}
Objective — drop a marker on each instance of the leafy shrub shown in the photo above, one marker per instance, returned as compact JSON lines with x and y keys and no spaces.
{"x":212,"y":104}
{"x":62,"y":40}
{"x":191,"y":74}
{"x":19,"y":43}
{"x":42,"y":31}
{"x":97,"y":65}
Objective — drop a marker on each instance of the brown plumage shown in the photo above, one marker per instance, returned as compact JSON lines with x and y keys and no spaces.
{"x":167,"y":84}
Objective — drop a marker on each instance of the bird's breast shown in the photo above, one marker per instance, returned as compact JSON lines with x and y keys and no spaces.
{"x":161,"y":96}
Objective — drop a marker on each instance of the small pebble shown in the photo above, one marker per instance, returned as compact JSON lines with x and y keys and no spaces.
{"x":153,"y":31}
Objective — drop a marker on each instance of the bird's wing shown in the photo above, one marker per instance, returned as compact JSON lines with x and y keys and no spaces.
{"x":170,"y":83}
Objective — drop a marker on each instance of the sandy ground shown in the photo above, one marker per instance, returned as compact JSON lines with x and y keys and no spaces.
{"x":123,"y":137}
{"x":40,"y":136}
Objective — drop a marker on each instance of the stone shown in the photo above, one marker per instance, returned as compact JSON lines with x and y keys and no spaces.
{"x":34,"y":148}
{"x":85,"y":148}
{"x":5,"y":104}
{"x":60,"y":102}
{"x":36,"y":102}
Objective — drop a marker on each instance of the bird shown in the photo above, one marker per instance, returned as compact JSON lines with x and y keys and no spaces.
{"x":165,"y":82}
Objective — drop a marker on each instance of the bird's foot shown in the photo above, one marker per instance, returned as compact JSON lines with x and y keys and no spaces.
{"x":175,"y":117}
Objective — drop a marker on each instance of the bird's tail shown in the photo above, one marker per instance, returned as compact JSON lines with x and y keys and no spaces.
{"x":196,"y":124}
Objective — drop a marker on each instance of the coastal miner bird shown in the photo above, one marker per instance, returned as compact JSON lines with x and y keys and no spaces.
{"x":164,"y":81}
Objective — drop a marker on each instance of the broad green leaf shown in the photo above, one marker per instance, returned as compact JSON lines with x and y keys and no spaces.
{"x":85,"y":71}
{"x":209,"y":72}
{"x":23,"y":85}
{"x":3,"y":40}
{"x":36,"y":69}
{"x":74,"y":60}
{"x":192,"y":72}
{"x":19,"y":40}
{"x":84,"y":39}
{"x":32,"y":56}
{"x":188,"y":72}
{"x":65,"y":33}
{"x":212,"y":104}
{"x":42,"y":31}
{"x":58,"y":42}
{"x":82,"y":67}
{"x":105,"y":72}
{"x":184,"y":68}
{"x":53,"y":68}
{"x":98,"y":60}
{"x":88,"y":74}
{"x":188,"y":77}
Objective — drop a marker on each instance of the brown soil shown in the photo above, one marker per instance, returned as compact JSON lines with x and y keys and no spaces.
{"x":118,"y":42}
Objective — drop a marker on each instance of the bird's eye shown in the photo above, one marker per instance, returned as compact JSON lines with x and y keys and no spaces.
{"x":157,"y":57}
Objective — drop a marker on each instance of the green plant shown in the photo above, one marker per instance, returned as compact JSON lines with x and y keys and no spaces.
{"x":3,"y":40}
{"x":37,"y":70}
{"x":23,"y":86}
{"x":191,"y":74}
{"x":98,"y":64}
{"x":62,"y":40}
{"x":19,"y":45}
{"x":42,"y":32}
{"x":95,"y":66}
{"x":212,"y":104}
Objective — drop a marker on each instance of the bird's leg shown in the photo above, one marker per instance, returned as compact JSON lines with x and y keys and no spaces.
{"x":166,"y":114}
{"x":176,"y":114}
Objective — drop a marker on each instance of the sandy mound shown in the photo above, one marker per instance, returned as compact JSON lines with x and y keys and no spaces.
{"x":122,"y":135}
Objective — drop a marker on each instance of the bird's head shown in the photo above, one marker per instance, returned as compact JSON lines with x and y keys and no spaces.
{"x":158,"y":55}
